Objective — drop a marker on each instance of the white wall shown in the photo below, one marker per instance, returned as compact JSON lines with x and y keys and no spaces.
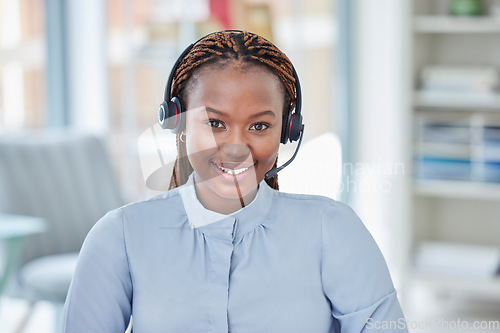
{"x":381,"y":128}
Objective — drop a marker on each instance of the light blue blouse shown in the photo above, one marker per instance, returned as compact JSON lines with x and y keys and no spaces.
{"x":285,"y":263}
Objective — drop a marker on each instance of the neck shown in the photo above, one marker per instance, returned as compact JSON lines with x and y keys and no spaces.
{"x":216,"y":203}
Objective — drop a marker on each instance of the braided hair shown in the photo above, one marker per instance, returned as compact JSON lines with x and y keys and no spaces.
{"x":216,"y":49}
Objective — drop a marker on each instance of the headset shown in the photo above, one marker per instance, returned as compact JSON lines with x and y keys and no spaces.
{"x":171,"y":112}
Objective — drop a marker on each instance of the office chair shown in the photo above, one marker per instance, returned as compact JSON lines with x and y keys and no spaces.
{"x":67,"y":179}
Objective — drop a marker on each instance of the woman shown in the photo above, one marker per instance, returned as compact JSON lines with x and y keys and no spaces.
{"x":223,"y":250}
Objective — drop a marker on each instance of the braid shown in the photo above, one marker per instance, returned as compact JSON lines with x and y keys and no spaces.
{"x":182,"y":167}
{"x":219,"y":48}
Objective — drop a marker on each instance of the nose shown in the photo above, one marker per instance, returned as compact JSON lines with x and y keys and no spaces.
{"x":235,"y":151}
{"x":235,"y":146}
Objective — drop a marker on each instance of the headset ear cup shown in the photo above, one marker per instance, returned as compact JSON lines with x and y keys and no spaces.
{"x":296,"y":126}
{"x":285,"y":128}
{"x":178,"y":122}
{"x":169,"y":115}
{"x":163,"y":115}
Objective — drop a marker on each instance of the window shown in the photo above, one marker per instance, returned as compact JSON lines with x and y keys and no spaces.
{"x":22,"y":64}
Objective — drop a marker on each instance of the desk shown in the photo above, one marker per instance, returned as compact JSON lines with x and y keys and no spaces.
{"x":13,"y":230}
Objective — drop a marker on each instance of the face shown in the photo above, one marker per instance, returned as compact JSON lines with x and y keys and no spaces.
{"x":233,"y":128}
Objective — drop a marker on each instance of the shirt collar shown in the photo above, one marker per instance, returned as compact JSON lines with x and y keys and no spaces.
{"x":208,"y":221}
{"x":197,"y":214}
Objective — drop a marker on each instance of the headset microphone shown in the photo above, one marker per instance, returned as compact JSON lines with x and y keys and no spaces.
{"x":274,"y":171}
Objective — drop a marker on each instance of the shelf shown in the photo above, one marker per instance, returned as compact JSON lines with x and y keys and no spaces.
{"x":436,"y":107}
{"x":457,"y":189}
{"x":486,"y":287}
{"x":451,"y":24}
{"x":454,"y":101}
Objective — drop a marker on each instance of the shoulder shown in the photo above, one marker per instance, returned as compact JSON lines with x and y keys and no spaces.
{"x":165,"y":207}
{"x":315,"y":212}
{"x":336,"y":217}
{"x":301,"y":198}
{"x":165,"y":198}
{"x":322,"y":205}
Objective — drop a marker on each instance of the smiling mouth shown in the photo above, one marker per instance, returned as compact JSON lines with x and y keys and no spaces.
{"x":233,"y":171}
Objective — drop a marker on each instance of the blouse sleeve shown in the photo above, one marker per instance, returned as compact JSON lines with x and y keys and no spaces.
{"x":355,"y":276}
{"x":99,"y":297}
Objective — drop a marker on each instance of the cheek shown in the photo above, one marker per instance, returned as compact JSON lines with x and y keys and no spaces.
{"x":266,"y":148}
{"x":200,"y":145}
{"x":266,"y":151}
{"x":199,"y":137}
{"x":197,"y":142}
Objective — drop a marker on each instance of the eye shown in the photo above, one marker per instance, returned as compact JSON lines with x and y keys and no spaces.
{"x":214,"y":123}
{"x":260,"y":126}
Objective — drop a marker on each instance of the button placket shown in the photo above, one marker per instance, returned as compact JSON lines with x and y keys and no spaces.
{"x":220,"y":236}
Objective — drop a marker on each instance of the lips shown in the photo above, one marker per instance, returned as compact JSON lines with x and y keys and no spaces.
{"x":229,"y":170}
{"x":233,"y":172}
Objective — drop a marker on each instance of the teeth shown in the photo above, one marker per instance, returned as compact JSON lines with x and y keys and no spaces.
{"x":231,"y":171}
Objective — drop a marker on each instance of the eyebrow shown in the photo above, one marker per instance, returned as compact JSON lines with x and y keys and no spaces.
{"x":256,"y":115}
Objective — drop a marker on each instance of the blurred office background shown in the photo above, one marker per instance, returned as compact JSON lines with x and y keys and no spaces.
{"x":410,"y":90}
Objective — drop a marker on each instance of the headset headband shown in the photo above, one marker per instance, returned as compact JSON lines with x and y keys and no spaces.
{"x":168,"y":87}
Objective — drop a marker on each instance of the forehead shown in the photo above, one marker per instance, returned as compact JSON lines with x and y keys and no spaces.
{"x":235,"y":82}
{"x":232,"y":66}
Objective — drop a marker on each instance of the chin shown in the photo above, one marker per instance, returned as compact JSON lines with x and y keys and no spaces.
{"x":230,"y":191}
